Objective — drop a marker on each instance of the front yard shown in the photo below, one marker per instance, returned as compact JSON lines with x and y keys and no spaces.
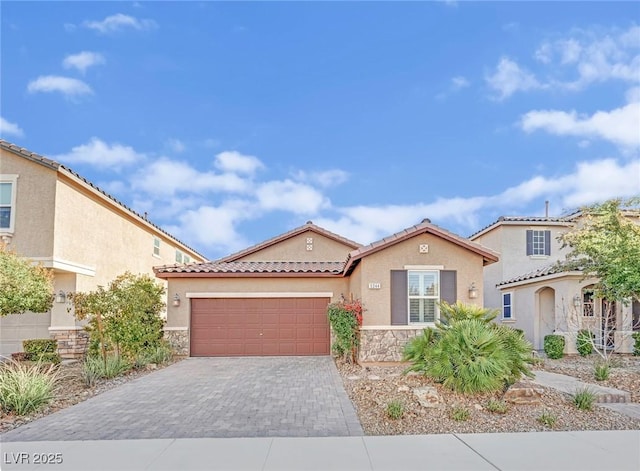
{"x":372,"y":388}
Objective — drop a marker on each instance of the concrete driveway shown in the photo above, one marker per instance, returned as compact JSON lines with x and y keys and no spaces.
{"x":211,"y":397}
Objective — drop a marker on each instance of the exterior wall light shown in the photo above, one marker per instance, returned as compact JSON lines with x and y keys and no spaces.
{"x":61,"y":297}
{"x":473,"y":291}
{"x":176,"y":300}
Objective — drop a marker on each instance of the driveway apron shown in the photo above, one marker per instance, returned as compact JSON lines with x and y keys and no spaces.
{"x":211,"y":397}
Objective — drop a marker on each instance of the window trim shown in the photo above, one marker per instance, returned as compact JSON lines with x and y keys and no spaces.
{"x":530,"y":243}
{"x":179,"y":256}
{"x":13,"y":180}
{"x":437,"y":297}
{"x":156,"y":239}
{"x":510,"y":305}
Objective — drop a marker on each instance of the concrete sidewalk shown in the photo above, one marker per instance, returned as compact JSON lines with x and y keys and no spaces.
{"x":583,"y":451}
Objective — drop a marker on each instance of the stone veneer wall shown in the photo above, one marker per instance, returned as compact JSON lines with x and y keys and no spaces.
{"x":385,"y":344}
{"x":72,"y":343}
{"x":179,"y":341}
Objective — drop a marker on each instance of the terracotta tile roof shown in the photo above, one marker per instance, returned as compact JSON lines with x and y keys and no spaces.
{"x":309,"y":226}
{"x":489,"y":256}
{"x":528,"y":219}
{"x":58,"y":166}
{"x":249,"y":268}
{"x":539,"y":273}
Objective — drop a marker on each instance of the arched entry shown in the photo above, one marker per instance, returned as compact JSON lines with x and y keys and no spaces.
{"x":546,"y":314}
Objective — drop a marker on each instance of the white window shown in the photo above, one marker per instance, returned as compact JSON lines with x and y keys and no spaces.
{"x":587,"y":303}
{"x":186,"y":259}
{"x":424,"y":295}
{"x":507,"y":306}
{"x":7,"y":202}
{"x":156,"y":246}
{"x":178,"y":256}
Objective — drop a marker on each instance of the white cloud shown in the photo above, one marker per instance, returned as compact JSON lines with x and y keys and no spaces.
{"x":588,"y":183}
{"x":232,"y":161}
{"x":8,"y":128}
{"x":288,"y":195}
{"x":620,"y":126}
{"x":102,"y":155}
{"x":83,"y":60}
{"x":212,"y":226}
{"x":326,"y":178}
{"x":52,"y":83}
{"x":164,"y":178}
{"x":544,"y":53}
{"x":176,"y":146}
{"x":510,"y":78}
{"x":459,"y":82}
{"x":119,"y":22}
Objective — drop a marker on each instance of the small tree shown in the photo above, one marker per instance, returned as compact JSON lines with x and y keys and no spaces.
{"x":125,"y":317}
{"x":345,"y":318}
{"x":606,"y":246}
{"x":23,"y":286}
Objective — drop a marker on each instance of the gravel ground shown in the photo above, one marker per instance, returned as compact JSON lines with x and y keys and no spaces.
{"x":70,"y":390}
{"x":371,"y":387}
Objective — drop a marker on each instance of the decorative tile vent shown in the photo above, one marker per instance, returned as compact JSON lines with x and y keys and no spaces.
{"x":309,"y":244}
{"x":424,"y":248}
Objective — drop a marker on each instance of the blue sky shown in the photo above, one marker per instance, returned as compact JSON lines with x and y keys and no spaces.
{"x":232,"y":122}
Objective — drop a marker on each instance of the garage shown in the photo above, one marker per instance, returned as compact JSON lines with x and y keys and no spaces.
{"x":259,"y":326}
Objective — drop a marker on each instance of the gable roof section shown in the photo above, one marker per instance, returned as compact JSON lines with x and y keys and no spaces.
{"x":309,"y":226}
{"x":425,"y":227}
{"x":544,"y":273}
{"x":526,"y":220}
{"x":57,"y":166}
{"x":251,"y":269}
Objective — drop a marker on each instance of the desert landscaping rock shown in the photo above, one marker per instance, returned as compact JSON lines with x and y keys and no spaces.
{"x":427,"y":396}
{"x":524,"y":393}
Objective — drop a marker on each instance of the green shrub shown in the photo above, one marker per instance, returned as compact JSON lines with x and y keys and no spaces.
{"x":601,"y":371}
{"x":554,"y":346}
{"x":472,"y":356}
{"x":584,"y":398}
{"x":159,"y":355}
{"x":345,"y":319}
{"x":548,"y":419}
{"x":497,"y":407}
{"x":95,"y":367}
{"x":460,"y":414}
{"x":450,"y":313}
{"x":395,"y":410}
{"x":92,"y":369}
{"x":584,"y":343}
{"x":415,"y":351}
{"x":26,"y":388}
{"x":636,"y":344}
{"x":37,"y":347}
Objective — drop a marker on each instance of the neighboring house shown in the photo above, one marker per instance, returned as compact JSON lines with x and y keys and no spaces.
{"x":271,"y":299}
{"x":534,"y":295}
{"x":53,"y":216}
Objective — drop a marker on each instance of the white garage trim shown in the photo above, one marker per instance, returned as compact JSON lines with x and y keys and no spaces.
{"x":269,"y":294}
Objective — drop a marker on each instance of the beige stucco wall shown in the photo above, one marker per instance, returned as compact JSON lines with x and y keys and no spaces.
{"x":509,"y":240}
{"x":178,"y":317}
{"x":35,"y":203}
{"x":376,"y":268}
{"x":295,"y":249}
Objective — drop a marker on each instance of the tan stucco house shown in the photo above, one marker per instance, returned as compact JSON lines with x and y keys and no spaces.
{"x":532,"y":294}
{"x":271,"y":298}
{"x":53,"y":216}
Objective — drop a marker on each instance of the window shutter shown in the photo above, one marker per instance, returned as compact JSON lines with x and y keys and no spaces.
{"x":529,"y":242}
{"x":547,"y":242}
{"x":399,"y":296}
{"x":448,"y":286}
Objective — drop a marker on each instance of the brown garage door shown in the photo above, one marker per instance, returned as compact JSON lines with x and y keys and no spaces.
{"x":259,"y":326}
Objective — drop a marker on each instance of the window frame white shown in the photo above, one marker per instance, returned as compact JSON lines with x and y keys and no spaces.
{"x":156,"y":246}
{"x":510,"y":306}
{"x":13,"y":181}
{"x":538,"y":245}
{"x":435,"y":297}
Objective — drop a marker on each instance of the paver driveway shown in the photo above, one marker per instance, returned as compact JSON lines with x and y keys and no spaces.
{"x":211,"y":397}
